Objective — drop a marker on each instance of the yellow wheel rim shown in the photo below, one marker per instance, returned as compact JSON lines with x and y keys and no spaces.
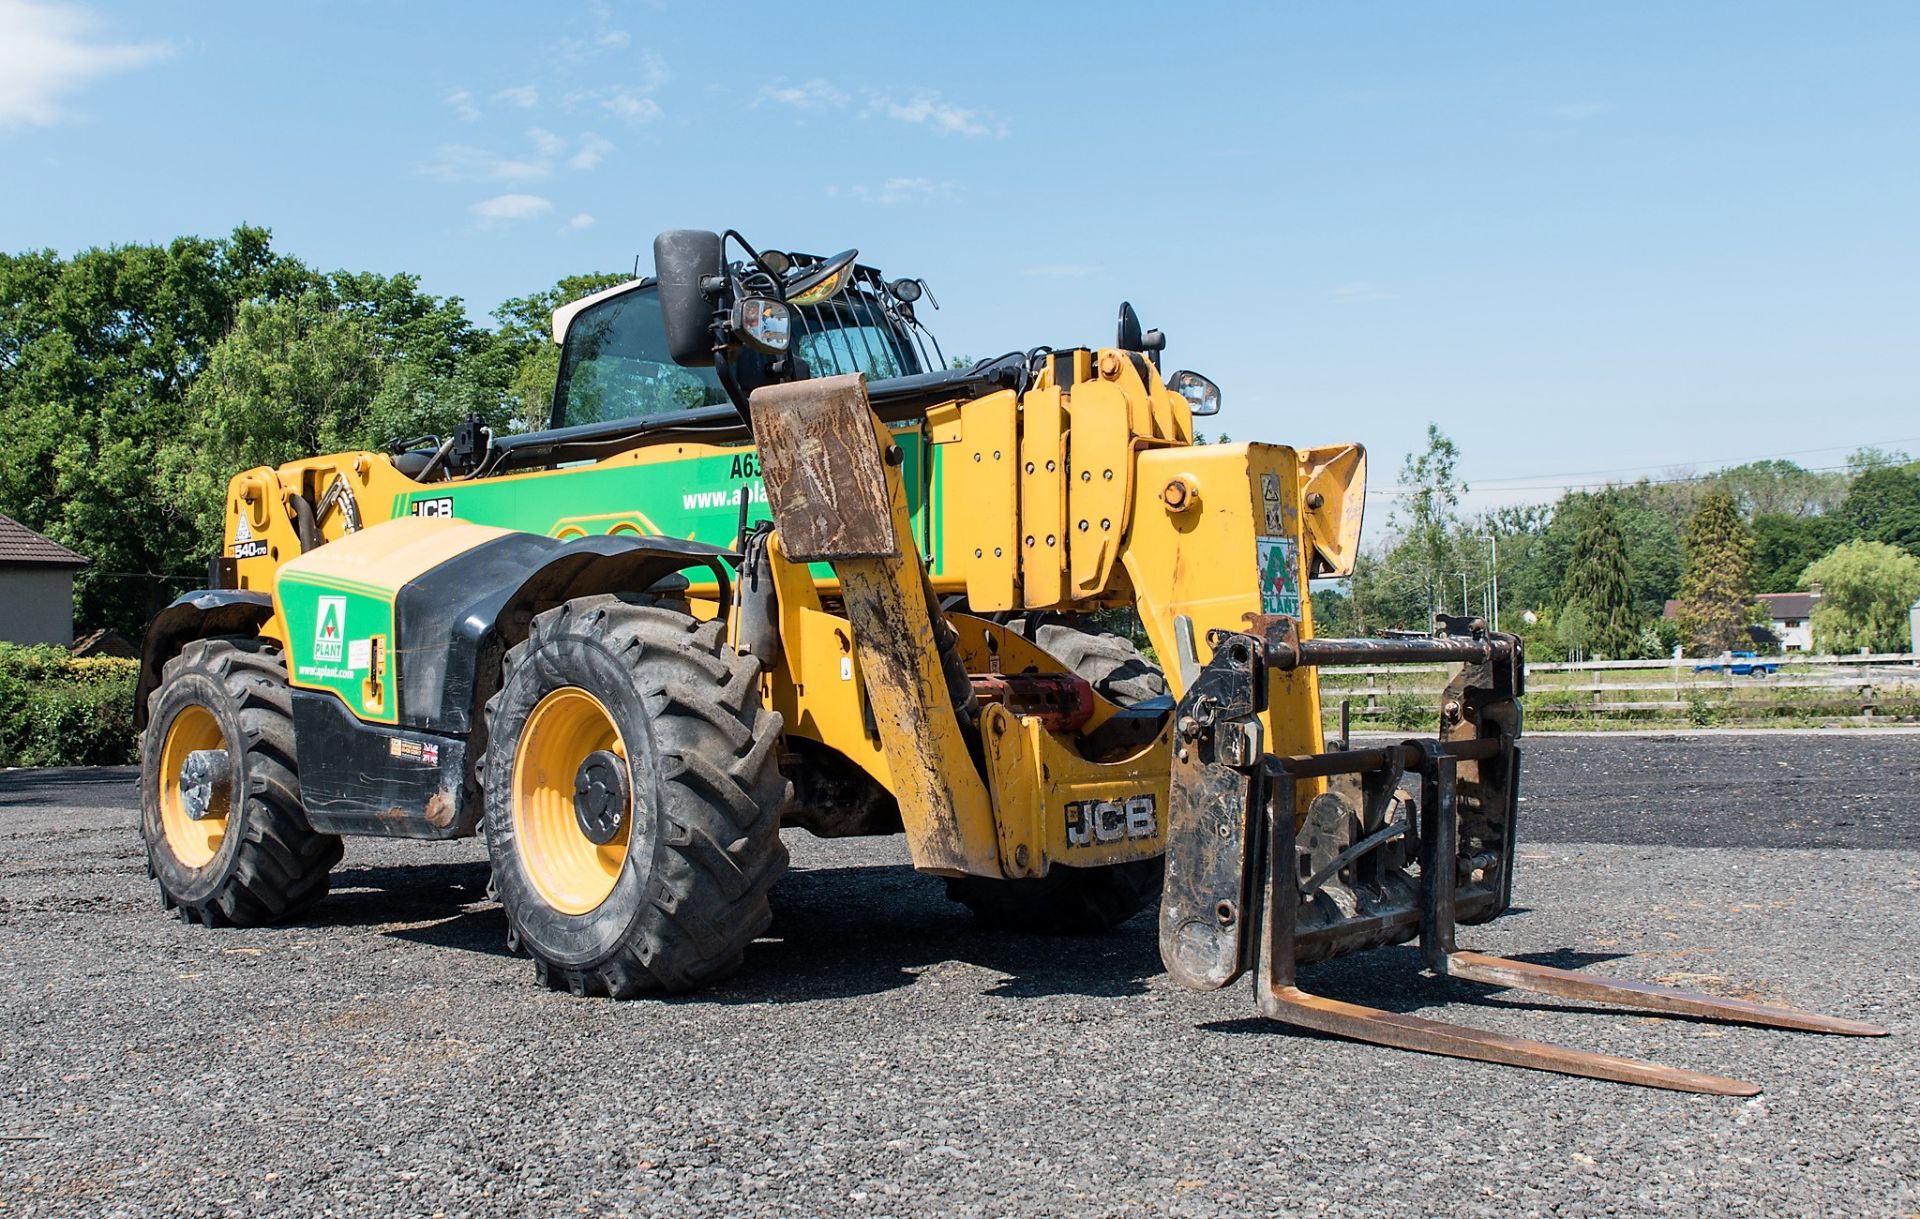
{"x":571,"y":871}
{"x":193,"y":843}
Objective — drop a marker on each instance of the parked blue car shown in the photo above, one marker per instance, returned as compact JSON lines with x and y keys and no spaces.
{"x":1741,"y":664}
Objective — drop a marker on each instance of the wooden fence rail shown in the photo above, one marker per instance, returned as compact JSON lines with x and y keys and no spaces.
{"x":1861,"y":687}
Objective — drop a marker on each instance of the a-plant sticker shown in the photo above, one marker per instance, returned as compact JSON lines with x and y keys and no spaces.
{"x":1279,"y":577}
{"x":330,"y":633}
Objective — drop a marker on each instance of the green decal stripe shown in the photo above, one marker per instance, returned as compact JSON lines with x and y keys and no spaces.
{"x":696,"y":498}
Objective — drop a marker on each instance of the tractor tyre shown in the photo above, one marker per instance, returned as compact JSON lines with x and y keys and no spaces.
{"x":228,"y":843}
{"x":1077,"y":901}
{"x":633,"y":798}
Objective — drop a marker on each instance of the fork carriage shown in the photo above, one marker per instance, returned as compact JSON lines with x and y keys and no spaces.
{"x":1258,"y":884}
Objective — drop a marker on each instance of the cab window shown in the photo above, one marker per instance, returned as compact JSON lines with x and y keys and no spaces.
{"x":615,"y":366}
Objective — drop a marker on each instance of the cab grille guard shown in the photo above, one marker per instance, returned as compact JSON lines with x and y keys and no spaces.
{"x":1238,"y":900}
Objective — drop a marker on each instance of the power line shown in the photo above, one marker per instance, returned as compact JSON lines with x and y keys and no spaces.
{"x":1615,"y":482}
{"x":1722,"y":463}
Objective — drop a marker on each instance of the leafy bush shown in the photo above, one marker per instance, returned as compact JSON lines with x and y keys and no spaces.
{"x":1409,"y":711}
{"x":56,"y":710}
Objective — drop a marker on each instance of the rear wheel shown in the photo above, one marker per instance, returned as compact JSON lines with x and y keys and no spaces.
{"x":633,"y":799}
{"x":227,"y":841}
{"x":1077,"y":901}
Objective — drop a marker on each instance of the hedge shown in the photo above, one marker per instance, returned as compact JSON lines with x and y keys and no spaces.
{"x":56,"y":710}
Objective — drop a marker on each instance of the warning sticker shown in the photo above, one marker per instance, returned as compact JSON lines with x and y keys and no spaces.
{"x":1279,"y":576}
{"x":1270,"y":503}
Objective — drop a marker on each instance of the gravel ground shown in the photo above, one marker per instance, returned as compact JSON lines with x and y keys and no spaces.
{"x":880,"y":1055}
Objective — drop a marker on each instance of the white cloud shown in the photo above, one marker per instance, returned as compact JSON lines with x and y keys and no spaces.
{"x":50,"y":51}
{"x":465,"y":163}
{"x":583,"y":220}
{"x":1060,"y":270}
{"x":590,"y":151}
{"x":635,"y":108}
{"x":463,"y":105}
{"x":894,"y":190}
{"x":926,"y":108}
{"x":815,"y":94}
{"x":521,"y":97}
{"x":579,"y":50}
{"x":1363,"y":292}
{"x":512,"y":207}
{"x":471,"y":163}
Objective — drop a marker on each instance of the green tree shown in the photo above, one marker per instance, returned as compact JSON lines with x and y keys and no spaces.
{"x":1599,"y":586}
{"x":1784,"y":545}
{"x":1716,"y":594}
{"x":1782,"y":488}
{"x":1647,"y":536}
{"x":295,"y":377}
{"x":1428,"y":517}
{"x":1868,"y":589}
{"x":1883,"y":505}
{"x":96,"y":354}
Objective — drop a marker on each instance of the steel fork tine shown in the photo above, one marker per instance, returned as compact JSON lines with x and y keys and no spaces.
{"x":1620,"y":992}
{"x":1291,"y":1005}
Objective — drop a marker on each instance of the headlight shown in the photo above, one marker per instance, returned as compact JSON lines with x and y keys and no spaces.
{"x":824,"y":289}
{"x":1202,"y":395}
{"x":763,"y":323}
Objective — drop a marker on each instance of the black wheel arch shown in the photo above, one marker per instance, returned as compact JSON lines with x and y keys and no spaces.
{"x":195,"y":615}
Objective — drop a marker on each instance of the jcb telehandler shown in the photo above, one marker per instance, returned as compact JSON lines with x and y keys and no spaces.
{"x":773,"y":564}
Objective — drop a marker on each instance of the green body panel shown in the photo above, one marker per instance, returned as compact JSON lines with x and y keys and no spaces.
{"x":694,"y":497}
{"x":332,"y":625}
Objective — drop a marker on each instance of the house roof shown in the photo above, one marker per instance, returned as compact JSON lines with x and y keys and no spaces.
{"x":1778,"y":605}
{"x":20,"y":545}
{"x":1788,"y":605}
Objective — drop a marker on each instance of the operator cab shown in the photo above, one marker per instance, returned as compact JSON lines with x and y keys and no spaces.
{"x":616,"y":364}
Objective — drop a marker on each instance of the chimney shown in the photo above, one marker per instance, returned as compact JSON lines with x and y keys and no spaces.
{"x":1815,"y":590}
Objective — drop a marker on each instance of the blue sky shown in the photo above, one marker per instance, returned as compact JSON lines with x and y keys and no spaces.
{"x":1589,"y":240}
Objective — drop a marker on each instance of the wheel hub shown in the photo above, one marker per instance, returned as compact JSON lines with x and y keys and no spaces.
{"x":600,"y":796}
{"x":206,"y":783}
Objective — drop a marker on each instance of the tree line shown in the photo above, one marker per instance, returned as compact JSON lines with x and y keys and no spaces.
{"x":135,"y":380}
{"x":1589,"y":576}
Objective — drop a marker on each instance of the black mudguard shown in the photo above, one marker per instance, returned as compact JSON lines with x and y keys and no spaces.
{"x":196,"y":615}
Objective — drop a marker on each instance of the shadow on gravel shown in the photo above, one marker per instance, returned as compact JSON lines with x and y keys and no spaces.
{"x":371,"y":897}
{"x":836,"y":932}
{"x":86,"y":786}
{"x":852,"y":931}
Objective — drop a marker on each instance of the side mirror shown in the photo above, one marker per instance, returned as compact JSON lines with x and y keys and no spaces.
{"x":1129,"y":337}
{"x":682,"y":259}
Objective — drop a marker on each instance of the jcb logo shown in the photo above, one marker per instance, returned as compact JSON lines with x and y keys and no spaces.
{"x":440,"y":507}
{"x":1102,"y":822}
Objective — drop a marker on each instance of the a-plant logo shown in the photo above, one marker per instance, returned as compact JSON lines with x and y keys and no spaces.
{"x":330,"y":635}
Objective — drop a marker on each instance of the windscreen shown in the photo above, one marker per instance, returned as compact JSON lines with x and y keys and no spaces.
{"x":615,"y":366}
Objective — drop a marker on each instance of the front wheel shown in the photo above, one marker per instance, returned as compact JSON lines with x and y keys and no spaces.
{"x":633,"y":799}
{"x":228,"y":843}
